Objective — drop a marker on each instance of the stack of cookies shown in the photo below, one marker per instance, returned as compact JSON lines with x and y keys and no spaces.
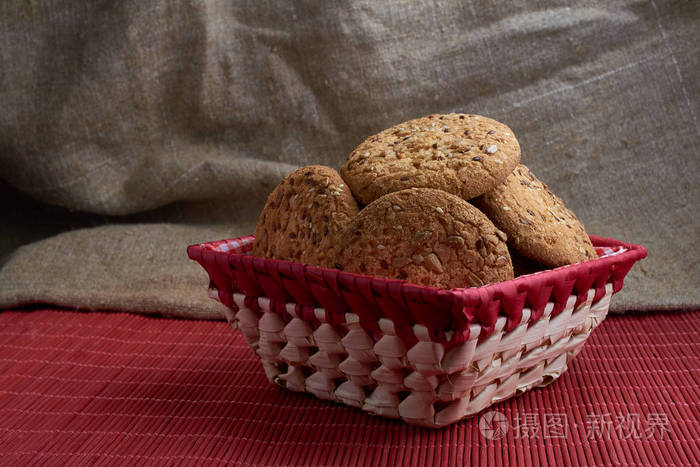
{"x":440,"y":201}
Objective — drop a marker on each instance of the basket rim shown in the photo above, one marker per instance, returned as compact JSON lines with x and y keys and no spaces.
{"x":233,"y":269}
{"x":632,"y":254}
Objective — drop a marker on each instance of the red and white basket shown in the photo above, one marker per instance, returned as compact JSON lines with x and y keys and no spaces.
{"x":428,"y":356}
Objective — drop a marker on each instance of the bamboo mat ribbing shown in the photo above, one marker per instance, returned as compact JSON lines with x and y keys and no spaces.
{"x":123,"y":389}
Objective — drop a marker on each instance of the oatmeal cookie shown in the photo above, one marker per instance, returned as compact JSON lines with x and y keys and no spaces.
{"x":427,"y":237}
{"x":537,"y":222}
{"x":304,"y":215}
{"x":462,"y":154}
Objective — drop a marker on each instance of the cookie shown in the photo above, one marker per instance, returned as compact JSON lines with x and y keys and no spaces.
{"x":304,"y":215}
{"x":537,"y":222}
{"x":462,"y":154}
{"x":426,"y":237}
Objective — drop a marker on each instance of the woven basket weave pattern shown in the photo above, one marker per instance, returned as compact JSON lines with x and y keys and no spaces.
{"x":424,"y":385}
{"x":430,"y":357}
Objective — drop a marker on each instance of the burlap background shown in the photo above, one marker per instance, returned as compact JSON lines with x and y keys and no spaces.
{"x":182,"y":116}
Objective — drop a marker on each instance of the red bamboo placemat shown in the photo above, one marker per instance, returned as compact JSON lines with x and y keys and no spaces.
{"x":123,"y":388}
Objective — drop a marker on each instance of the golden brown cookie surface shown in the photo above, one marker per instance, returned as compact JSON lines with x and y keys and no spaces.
{"x":426,"y":237}
{"x":537,"y":222}
{"x":303,"y":216}
{"x":462,"y":154}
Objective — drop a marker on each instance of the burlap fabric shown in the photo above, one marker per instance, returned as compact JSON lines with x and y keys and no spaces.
{"x":182,"y":116}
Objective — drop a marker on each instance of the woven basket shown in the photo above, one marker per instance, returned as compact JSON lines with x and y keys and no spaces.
{"x":428,"y":356}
